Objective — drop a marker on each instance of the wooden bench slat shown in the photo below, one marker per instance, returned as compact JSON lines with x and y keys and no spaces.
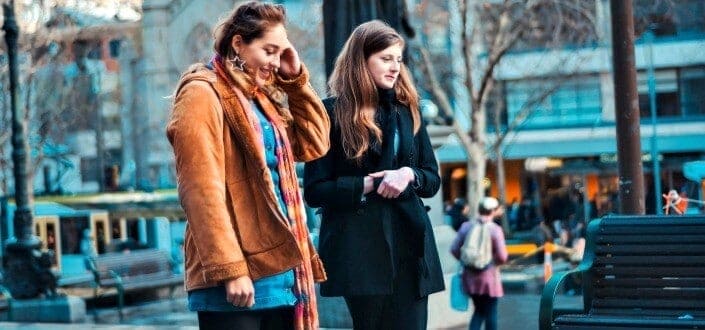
{"x":652,"y":303}
{"x":659,"y":239}
{"x":655,"y":261}
{"x":650,"y":272}
{"x":649,"y":293}
{"x":650,"y":249}
{"x":159,"y":282}
{"x":650,"y":282}
{"x":647,"y":312}
{"x":654,"y":230}
{"x":642,"y":322}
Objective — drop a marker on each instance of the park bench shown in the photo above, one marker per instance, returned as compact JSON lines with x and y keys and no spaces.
{"x":638,"y":272}
{"x":133,"y":271}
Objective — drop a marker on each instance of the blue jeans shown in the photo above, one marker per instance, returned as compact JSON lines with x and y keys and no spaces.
{"x":485,"y":312}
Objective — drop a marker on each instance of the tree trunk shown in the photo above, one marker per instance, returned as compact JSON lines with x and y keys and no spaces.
{"x":475,"y":173}
{"x":502,"y":189}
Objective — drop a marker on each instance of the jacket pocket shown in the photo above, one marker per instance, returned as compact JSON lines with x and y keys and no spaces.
{"x":253,"y":230}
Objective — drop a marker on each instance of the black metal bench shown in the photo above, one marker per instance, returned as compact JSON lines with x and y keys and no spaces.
{"x":133,"y":271}
{"x":638,"y":272}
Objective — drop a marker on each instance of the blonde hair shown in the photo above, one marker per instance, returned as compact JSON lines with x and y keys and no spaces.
{"x":356,"y":92}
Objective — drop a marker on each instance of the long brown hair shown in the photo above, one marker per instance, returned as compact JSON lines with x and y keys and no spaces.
{"x":249,"y":20}
{"x":356,"y":91}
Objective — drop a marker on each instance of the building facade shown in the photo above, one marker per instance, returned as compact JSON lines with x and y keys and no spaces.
{"x":568,"y":141}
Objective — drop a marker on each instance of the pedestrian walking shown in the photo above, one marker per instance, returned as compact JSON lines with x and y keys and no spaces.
{"x":484,"y":286}
{"x":376,"y":239}
{"x":249,"y":261}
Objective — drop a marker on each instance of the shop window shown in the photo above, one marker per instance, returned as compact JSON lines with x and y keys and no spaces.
{"x":692,"y":85}
{"x":667,"y":100}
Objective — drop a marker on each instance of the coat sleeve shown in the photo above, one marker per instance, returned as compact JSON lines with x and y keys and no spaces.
{"x":308,"y":133}
{"x":324,"y":187}
{"x":195,"y":131}
{"x":427,"y":181}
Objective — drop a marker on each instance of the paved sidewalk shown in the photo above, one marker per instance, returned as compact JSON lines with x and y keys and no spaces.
{"x":516,"y":311}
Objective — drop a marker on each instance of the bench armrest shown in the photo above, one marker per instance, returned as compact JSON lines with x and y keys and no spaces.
{"x":547,"y":310}
{"x":117,"y":278}
{"x":91,"y":266}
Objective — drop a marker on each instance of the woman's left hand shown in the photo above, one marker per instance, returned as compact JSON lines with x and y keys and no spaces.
{"x":394,"y":182}
{"x":290,"y":64}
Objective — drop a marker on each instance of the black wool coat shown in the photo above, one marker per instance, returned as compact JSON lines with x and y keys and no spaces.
{"x":356,"y":237}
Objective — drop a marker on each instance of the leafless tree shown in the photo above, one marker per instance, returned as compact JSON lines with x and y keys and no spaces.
{"x":494,"y":29}
{"x":51,"y":101}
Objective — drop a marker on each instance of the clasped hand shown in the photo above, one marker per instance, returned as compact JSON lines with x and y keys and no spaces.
{"x":394,"y":182}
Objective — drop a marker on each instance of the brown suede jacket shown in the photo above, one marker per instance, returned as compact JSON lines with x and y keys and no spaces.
{"x":235,"y":226}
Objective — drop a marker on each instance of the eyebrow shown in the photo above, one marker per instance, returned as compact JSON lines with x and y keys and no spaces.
{"x":273,"y":46}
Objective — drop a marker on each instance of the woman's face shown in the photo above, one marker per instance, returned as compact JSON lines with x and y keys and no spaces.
{"x":262,"y":55}
{"x":384,"y":66}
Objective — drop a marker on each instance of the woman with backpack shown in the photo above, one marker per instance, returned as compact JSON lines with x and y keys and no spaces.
{"x":474,"y":243}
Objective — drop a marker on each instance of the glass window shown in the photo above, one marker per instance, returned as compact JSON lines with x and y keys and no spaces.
{"x":667,"y":100}
{"x":669,"y":18}
{"x":578,"y":101}
{"x":692,"y":85}
{"x":71,"y":234}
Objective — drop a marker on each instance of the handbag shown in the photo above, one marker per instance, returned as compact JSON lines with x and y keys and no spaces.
{"x":458,"y":298}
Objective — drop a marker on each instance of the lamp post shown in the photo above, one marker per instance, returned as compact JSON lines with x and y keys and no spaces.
{"x":649,"y":37}
{"x":631,"y":181}
{"x":26,"y":273}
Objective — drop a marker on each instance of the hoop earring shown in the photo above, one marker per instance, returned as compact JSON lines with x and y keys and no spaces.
{"x":237,"y":62}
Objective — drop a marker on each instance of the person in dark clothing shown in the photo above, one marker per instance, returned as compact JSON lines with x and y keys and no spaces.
{"x":458,"y":213}
{"x":526,"y":215}
{"x":376,"y":239}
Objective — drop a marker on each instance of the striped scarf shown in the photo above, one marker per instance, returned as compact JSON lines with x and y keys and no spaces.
{"x":305,"y":310}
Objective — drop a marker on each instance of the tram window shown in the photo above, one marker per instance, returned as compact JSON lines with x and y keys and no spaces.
{"x":51,"y":237}
{"x":71,"y":234}
{"x":115,"y":229}
{"x":51,"y":241}
{"x":100,"y":239}
{"x":133,"y":230}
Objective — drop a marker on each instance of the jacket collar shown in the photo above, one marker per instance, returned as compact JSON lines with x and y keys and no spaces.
{"x":233,"y":103}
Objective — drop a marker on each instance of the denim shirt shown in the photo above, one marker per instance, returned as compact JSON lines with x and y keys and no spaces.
{"x":272,"y":291}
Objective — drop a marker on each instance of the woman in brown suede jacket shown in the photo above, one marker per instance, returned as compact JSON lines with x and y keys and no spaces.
{"x":237,"y":127}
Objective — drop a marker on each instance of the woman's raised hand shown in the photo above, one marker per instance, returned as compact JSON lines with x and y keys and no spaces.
{"x":290,"y":63}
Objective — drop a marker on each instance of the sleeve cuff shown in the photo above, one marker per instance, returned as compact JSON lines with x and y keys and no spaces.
{"x":416,"y":184}
{"x":295,"y":82}
{"x":221,"y":273}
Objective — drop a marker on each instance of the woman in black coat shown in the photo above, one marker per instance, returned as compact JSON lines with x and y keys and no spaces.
{"x":376,"y":240}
